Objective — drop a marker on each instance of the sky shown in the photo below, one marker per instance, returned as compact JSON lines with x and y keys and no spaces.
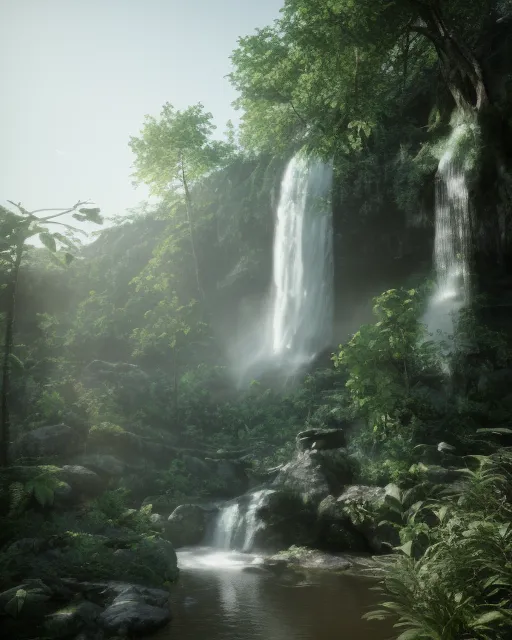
{"x":78,"y":76}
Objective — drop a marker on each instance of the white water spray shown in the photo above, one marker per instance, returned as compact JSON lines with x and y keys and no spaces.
{"x":238,"y":523}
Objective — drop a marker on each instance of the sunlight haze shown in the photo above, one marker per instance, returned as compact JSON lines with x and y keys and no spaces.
{"x":78,"y":78}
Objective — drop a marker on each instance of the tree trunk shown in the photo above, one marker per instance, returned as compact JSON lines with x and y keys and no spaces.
{"x":461,"y":70}
{"x":5,"y":422}
{"x":175,"y":382}
{"x":188,"y":207}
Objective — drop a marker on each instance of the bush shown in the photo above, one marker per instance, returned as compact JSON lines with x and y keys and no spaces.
{"x":460,"y":586}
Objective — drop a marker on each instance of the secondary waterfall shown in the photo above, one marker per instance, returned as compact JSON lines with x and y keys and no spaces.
{"x":302,"y":299}
{"x":452,"y":235}
{"x":237,"y":523}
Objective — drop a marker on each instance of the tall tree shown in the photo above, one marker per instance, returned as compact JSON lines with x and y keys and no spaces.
{"x":16,"y":228}
{"x":173,"y":153}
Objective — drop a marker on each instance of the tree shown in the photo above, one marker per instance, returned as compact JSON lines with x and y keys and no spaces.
{"x":173,"y":153}
{"x":326,"y":63}
{"x":15,"y":229}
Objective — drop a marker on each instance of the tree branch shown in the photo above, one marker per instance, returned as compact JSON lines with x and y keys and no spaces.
{"x":63,"y":211}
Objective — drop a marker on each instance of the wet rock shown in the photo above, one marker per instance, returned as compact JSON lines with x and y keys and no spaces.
{"x":105,"y":592}
{"x":321,"y":439}
{"x":286,"y":520}
{"x":131,"y":614}
{"x":55,"y":440}
{"x":313,"y":559}
{"x":187,"y":524}
{"x":304,"y":476}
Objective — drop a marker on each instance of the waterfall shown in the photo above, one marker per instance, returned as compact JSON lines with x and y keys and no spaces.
{"x":297,"y":325}
{"x":452,"y":236}
{"x":302,"y":302}
{"x":238,"y":523}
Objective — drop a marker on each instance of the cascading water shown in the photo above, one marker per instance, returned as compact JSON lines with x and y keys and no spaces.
{"x":238,"y":523}
{"x":452,"y":236}
{"x":297,"y":325}
{"x":302,"y":303}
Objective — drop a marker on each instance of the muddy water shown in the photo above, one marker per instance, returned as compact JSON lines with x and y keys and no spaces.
{"x":216,"y":599}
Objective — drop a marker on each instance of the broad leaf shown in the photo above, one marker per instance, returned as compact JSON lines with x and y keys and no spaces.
{"x":48,"y":240}
{"x":15,"y":605}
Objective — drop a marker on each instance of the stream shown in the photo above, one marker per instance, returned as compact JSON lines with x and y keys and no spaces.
{"x":216,"y":599}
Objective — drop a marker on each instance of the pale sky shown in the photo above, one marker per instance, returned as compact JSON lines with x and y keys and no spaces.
{"x":78,"y":76}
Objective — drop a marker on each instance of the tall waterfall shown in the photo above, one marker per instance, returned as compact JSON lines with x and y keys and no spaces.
{"x":302,"y":299}
{"x":238,"y":523}
{"x":452,"y":235}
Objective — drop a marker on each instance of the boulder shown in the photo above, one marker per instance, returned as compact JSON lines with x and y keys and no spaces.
{"x":187,"y":524}
{"x":154,"y":555}
{"x":102,"y":464}
{"x":131,"y":614}
{"x":321,"y":439}
{"x":336,"y":531}
{"x":286,"y":520}
{"x":84,"y":482}
{"x":158,"y":522}
{"x":56,"y":440}
{"x":104,"y":593}
{"x":365,"y":508}
{"x":307,"y":558}
{"x":303,"y":476}
{"x":315,"y":474}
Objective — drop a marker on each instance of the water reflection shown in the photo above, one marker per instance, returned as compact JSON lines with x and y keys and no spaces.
{"x":216,"y":599}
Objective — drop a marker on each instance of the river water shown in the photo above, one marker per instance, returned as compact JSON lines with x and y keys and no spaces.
{"x":215,"y":599}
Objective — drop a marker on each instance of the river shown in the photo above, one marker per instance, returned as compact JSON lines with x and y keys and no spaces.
{"x":215,"y":599}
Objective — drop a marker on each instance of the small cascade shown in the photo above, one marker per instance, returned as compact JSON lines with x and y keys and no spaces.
{"x":237,"y":523}
{"x":226,"y":526}
{"x":452,"y":237}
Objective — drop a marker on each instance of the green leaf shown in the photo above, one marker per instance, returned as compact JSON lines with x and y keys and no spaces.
{"x":68,"y":258}
{"x":486,"y":618}
{"x":16,"y":363}
{"x":15,"y":605}
{"x":48,"y":240}
{"x":406,"y":548}
{"x":410,"y":634}
{"x":43,"y":494}
{"x":91,"y":214}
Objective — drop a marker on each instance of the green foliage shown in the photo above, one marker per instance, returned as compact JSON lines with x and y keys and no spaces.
{"x":460,"y":584}
{"x":176,"y":147}
{"x":386,"y":359}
